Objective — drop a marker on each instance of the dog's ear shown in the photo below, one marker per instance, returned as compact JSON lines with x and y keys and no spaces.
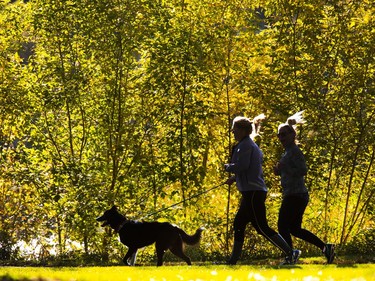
{"x":114,"y":208}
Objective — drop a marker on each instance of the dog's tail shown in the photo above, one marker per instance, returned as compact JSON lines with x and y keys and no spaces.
{"x":191,"y":239}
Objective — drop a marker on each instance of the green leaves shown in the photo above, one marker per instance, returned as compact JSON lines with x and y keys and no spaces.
{"x":129,"y":103}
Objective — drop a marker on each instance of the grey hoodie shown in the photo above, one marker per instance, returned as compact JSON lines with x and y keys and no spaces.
{"x":293,"y":171}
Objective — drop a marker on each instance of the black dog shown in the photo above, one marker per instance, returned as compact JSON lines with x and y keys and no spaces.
{"x":137,"y":235}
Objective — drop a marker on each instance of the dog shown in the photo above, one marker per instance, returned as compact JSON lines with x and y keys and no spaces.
{"x":136,"y":235}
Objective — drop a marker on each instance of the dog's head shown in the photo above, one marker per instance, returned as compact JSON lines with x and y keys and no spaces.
{"x":112,"y":218}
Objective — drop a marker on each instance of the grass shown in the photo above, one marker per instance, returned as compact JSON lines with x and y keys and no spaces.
{"x":355,"y":272}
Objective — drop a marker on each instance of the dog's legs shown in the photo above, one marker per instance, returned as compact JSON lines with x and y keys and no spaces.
{"x":177,"y":249}
{"x":133,"y":258}
{"x":160,"y":253}
{"x":132,"y":252}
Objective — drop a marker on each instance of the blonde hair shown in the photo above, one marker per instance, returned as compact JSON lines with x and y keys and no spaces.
{"x":256,"y":125}
{"x":293,"y":121}
{"x":252,"y":127}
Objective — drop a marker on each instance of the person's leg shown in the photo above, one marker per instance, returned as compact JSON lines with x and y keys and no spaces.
{"x":239,"y":225}
{"x":290,"y":221}
{"x":286,"y":218}
{"x":300,"y":202}
{"x":258,"y":219}
{"x":236,"y":252}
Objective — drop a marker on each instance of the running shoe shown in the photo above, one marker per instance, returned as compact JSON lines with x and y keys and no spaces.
{"x":292,"y":258}
{"x":329,"y":252}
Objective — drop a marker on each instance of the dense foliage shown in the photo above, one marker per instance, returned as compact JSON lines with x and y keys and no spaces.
{"x":129,"y":102}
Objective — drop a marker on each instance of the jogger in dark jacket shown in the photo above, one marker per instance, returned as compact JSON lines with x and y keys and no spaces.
{"x":246,"y":164}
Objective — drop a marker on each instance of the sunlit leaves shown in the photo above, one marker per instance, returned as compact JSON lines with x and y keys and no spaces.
{"x":130,"y":102}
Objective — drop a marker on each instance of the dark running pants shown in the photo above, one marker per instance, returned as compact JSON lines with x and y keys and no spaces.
{"x":252,"y":209}
{"x":290,"y":220}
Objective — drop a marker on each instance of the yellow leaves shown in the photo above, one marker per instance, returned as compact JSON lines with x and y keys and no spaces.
{"x":369,"y":17}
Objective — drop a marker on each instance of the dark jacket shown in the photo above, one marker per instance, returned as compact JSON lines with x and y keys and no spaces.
{"x":293,"y":171}
{"x":246,"y":164}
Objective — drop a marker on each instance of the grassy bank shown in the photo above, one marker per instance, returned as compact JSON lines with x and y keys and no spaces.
{"x":360,"y":272}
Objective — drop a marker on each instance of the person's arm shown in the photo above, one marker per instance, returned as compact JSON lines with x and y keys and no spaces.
{"x":297,"y":166}
{"x":242,"y":160}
